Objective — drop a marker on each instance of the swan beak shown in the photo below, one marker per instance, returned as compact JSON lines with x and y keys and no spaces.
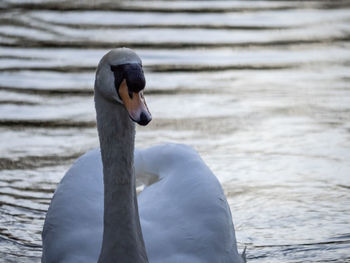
{"x":135,"y":104}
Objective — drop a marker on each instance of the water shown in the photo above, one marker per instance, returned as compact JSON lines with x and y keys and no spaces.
{"x":259,"y":88}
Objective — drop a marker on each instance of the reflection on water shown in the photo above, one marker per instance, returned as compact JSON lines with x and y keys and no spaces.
{"x":259,"y":88}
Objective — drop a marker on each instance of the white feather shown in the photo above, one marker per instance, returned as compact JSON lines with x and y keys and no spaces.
{"x":184,"y":215}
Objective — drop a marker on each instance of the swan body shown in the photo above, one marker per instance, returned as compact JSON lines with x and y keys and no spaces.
{"x":184,"y":215}
{"x":183,"y":212}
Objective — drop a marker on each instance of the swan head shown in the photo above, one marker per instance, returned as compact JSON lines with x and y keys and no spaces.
{"x":120,"y":78}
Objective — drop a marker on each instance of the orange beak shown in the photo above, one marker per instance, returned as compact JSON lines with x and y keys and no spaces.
{"x":135,"y":104}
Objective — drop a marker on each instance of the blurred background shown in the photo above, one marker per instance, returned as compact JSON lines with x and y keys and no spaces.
{"x":259,"y":88}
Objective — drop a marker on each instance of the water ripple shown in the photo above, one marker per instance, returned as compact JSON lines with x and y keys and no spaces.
{"x":259,"y":88}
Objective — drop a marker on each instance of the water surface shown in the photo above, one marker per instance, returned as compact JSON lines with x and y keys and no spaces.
{"x":259,"y":88}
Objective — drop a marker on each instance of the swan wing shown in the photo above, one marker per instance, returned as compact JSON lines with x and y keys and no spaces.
{"x":185,"y":216}
{"x":74,"y":222}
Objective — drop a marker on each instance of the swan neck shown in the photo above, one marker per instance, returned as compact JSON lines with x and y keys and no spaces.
{"x":122,"y":235}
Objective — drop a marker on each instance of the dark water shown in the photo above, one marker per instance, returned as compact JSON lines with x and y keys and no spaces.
{"x":260,"y":88}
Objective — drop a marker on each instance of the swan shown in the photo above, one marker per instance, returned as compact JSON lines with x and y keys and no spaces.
{"x":95,"y":215}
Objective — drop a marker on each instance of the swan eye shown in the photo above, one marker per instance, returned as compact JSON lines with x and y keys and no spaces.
{"x":118,"y":76}
{"x":130,"y":93}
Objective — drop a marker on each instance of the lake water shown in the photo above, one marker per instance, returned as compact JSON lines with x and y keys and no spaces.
{"x":261,"y":89}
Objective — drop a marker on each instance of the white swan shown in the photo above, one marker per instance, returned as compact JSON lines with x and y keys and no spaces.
{"x":94,"y":214}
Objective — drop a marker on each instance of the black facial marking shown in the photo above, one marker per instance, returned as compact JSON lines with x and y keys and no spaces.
{"x":133,"y":74}
{"x":130,"y":94}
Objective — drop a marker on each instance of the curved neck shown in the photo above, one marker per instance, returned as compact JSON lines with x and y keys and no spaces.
{"x":122,"y":235}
